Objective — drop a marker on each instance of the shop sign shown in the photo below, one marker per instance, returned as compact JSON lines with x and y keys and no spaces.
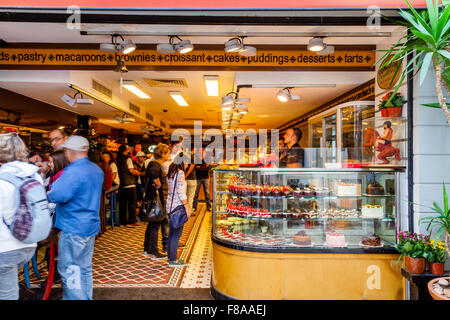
{"x":81,"y":58}
{"x":386,"y":74}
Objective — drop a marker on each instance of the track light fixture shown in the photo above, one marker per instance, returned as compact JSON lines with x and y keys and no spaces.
{"x":317,"y":45}
{"x":124,"y":47}
{"x":229,"y":99}
{"x":183,"y":46}
{"x":285,"y":95}
{"x":237,"y":45}
{"x":123,"y":119}
{"x":72,"y":102}
{"x":120,"y":66}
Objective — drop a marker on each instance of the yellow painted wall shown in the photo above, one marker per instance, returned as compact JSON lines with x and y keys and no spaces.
{"x":298,"y":276}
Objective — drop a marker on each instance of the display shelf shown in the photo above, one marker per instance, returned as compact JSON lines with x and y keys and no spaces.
{"x":286,"y":214}
{"x":331,"y":218}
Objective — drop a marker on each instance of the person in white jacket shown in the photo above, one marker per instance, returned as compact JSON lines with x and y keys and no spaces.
{"x":13,"y":253}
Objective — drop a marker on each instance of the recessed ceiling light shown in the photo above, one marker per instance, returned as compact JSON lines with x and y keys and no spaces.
{"x":212,"y":85}
{"x":316,"y":44}
{"x":134,"y":88}
{"x":178,"y":97}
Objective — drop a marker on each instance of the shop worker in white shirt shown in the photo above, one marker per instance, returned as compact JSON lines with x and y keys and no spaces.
{"x":127,"y":190}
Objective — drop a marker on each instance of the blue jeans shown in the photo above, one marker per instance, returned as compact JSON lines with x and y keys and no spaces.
{"x":172,"y":243}
{"x":75,"y":266}
{"x":10,"y":262}
{"x":205,"y":183}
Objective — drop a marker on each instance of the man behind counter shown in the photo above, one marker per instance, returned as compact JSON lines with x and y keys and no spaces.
{"x":293,"y":155}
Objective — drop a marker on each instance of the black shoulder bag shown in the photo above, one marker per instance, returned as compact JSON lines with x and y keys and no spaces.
{"x":151,"y":210}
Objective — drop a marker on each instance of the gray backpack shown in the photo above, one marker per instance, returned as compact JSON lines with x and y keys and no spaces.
{"x":32,"y":221}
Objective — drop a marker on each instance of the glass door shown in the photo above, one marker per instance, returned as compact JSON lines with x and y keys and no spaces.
{"x":330,"y":137}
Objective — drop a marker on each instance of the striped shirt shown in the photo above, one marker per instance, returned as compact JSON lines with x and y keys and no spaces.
{"x":180,"y":191}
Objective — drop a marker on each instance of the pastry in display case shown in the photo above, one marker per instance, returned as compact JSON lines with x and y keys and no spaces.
{"x":284,"y":209}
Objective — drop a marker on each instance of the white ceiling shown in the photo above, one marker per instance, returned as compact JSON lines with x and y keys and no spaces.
{"x":265,"y":111}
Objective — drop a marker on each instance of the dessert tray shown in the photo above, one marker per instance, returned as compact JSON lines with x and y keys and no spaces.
{"x":367,"y":246}
{"x":344,"y":246}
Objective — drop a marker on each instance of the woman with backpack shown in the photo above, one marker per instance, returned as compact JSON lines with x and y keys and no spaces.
{"x":14,"y":253}
{"x":176,"y":201}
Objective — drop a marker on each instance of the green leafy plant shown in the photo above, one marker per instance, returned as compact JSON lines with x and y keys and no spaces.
{"x":441,"y":220}
{"x":438,"y":252}
{"x":395,"y":102}
{"x":427,"y":38}
{"x":413,"y":245}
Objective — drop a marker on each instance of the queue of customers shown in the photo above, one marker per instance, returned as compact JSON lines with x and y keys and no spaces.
{"x":75,"y":187}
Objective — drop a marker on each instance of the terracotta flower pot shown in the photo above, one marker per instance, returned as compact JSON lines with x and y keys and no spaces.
{"x":437,"y":268}
{"x":394,"y":112}
{"x":415,"y":265}
{"x":384,"y":112}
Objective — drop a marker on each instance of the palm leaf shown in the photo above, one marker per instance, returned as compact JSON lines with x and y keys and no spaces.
{"x":425,"y":66}
{"x":435,"y":105}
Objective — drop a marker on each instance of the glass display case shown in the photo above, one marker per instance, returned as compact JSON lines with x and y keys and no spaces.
{"x":338,"y":134}
{"x":331,"y":210}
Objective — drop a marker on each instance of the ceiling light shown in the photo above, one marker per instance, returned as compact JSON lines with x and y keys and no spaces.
{"x":212,"y":85}
{"x":284,"y":95}
{"x":165,"y":48}
{"x":248,"y":51}
{"x":120,"y":66}
{"x":177,"y":96}
{"x":108,"y":47}
{"x":227,"y":101}
{"x":243,"y":100}
{"x":124,"y":118}
{"x":184,"y":46}
{"x":68,"y":100}
{"x":243,"y":109}
{"x":316,"y":44}
{"x":127,"y":46}
{"x":327,"y":50}
{"x":233,"y":45}
{"x":134,"y":88}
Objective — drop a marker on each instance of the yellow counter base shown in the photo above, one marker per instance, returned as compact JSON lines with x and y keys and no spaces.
{"x":306,"y":276}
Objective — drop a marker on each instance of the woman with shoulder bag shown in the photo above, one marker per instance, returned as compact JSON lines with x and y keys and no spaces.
{"x":154,"y":188}
{"x":178,"y":209}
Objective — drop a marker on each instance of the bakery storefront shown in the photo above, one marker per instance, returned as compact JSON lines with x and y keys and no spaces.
{"x":324,"y":231}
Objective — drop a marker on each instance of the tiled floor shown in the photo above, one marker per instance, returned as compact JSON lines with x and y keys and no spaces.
{"x":118,"y":260}
{"x":198,"y":271}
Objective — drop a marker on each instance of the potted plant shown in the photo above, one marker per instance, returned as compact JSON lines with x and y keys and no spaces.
{"x":415,"y":248}
{"x":437,"y":257}
{"x":441,"y":221}
{"x":391,"y":107}
{"x":428,"y":39}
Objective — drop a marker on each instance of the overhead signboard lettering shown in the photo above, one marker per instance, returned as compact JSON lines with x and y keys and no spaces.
{"x":197,"y":58}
